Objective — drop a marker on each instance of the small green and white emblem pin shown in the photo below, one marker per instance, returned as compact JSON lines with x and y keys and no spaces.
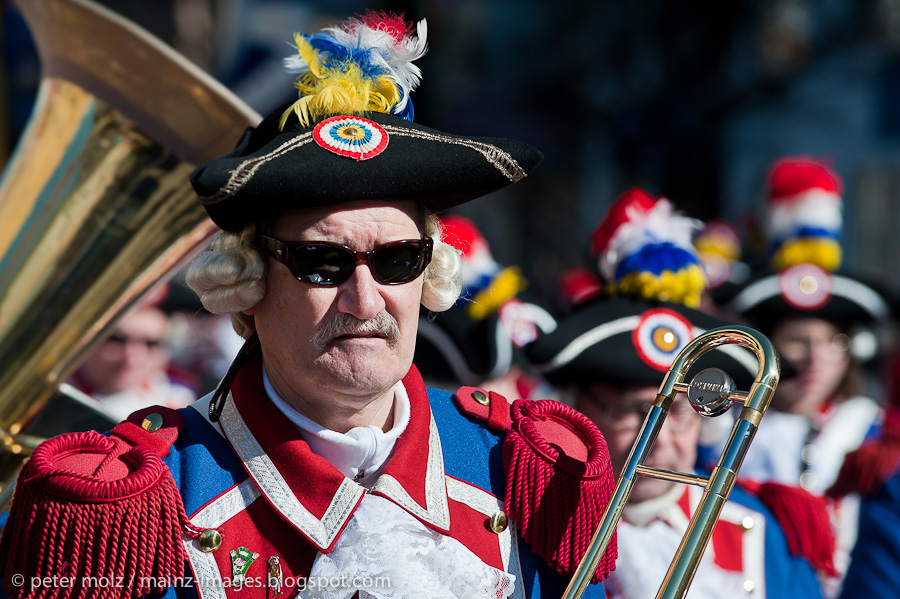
{"x":241,"y":558}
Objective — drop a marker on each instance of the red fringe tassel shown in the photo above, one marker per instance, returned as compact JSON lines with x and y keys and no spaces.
{"x":556,"y":500}
{"x":99,"y":538}
{"x":804,"y":517}
{"x":865,"y":469}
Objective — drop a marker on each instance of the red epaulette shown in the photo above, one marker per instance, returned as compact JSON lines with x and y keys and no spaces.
{"x":489,"y":406}
{"x":157,"y":428}
{"x":99,"y":510}
{"x":804,"y":517}
{"x":865,"y":469}
{"x":559,"y":477}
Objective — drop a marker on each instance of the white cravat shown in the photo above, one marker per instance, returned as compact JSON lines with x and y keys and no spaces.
{"x":363,"y":449}
{"x":385,"y":553}
{"x":382,"y":542}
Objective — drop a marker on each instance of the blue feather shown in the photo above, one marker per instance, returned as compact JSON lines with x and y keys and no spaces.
{"x":474,"y":289}
{"x":656,"y":259}
{"x":407,"y":113}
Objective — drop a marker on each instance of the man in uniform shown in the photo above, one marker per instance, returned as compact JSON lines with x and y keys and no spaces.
{"x":321,"y":464}
{"x":610,"y":355}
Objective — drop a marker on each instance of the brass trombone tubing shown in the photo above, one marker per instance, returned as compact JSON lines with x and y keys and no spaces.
{"x":675,"y":477}
{"x":722,"y":478}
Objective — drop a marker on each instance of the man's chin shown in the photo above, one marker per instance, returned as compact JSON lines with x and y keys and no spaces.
{"x":363,"y":369}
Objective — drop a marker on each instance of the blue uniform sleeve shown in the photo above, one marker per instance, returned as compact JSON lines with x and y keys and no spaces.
{"x":875,"y":561}
{"x":786,"y":575}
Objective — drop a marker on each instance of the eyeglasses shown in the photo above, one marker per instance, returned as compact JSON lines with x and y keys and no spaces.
{"x":325,"y":264}
{"x":630,"y":415}
{"x":120,"y":339}
{"x":798,"y":347}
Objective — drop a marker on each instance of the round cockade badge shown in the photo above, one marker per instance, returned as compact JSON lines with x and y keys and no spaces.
{"x":660,"y":335}
{"x":351,"y":136}
{"x":805,"y":286}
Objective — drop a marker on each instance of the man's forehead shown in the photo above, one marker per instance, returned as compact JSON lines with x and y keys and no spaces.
{"x":621,"y":394}
{"x":364,"y":213}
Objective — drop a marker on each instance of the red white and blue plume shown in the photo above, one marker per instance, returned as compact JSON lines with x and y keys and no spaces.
{"x":643,"y":248}
{"x":361,"y":65}
{"x":804,"y":219}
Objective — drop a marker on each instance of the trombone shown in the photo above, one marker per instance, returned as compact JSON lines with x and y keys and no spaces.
{"x":711,"y":393}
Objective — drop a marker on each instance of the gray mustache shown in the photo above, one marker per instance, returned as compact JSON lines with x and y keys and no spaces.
{"x":347,"y":324}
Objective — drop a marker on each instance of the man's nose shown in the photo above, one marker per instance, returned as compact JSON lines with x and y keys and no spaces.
{"x":360,"y":295}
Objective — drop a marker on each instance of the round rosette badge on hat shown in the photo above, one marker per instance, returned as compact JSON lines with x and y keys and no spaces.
{"x":350,"y":136}
{"x":805,"y":286}
{"x":660,"y":335}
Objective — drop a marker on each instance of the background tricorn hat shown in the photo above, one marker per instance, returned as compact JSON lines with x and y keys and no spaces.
{"x":480,"y":337}
{"x":350,"y":135}
{"x":803,"y":225}
{"x":632,"y":333}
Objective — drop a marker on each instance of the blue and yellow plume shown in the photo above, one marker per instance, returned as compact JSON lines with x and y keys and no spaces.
{"x":643,"y":249}
{"x":361,"y":65}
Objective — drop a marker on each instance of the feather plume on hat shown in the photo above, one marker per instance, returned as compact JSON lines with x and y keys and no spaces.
{"x":644,"y":249}
{"x":362,"y":65}
{"x":803,"y":225}
{"x":803,"y":220}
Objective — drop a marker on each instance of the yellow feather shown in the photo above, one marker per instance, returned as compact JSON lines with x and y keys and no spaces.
{"x":684,"y":286}
{"x":503,"y":288}
{"x":308,"y":54}
{"x":825,"y":253}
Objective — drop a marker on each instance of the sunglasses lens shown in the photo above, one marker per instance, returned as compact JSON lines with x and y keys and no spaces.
{"x":327,"y":264}
{"x":399,"y":263}
{"x":322,"y":265}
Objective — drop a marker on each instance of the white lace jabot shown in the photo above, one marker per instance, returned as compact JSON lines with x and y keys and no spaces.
{"x":363,"y":449}
{"x":385,"y":553}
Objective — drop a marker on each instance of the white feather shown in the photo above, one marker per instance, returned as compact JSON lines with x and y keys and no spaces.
{"x":658,"y":225}
{"x":392,"y":56}
{"x":813,"y":208}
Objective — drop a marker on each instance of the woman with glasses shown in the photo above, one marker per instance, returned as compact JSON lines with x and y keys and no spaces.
{"x":321,"y":466}
{"x":610,"y":355}
{"x":817,"y":318}
{"x":814,"y":315}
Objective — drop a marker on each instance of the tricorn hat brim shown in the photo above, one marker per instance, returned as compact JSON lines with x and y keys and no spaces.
{"x":805,"y":289}
{"x":272,"y":171}
{"x":626,"y":341}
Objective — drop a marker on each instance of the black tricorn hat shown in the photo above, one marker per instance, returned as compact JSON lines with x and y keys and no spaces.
{"x":625,"y":340}
{"x":454,"y":346}
{"x":350,"y":135}
{"x":807,"y":289}
{"x":271,"y":171}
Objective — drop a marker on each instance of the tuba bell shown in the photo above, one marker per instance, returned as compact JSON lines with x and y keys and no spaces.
{"x":95,"y":204}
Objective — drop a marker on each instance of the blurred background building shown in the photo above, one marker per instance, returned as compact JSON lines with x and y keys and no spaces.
{"x":691,"y":99}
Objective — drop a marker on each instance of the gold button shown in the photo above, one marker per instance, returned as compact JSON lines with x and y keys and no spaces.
{"x":747,"y":523}
{"x":749,"y":586}
{"x":152,"y":422}
{"x":481,"y":397}
{"x":498,"y":522}
{"x":209,"y":540}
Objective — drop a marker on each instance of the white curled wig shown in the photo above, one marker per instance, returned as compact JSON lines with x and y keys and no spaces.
{"x":230,"y":276}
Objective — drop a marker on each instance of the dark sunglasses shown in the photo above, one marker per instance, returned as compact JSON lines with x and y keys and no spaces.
{"x":326,"y":264}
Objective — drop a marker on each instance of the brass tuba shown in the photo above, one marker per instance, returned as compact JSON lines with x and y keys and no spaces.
{"x":711,"y":392}
{"x":95,"y":204}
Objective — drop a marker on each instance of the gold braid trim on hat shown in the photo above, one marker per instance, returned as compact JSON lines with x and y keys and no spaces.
{"x":501,"y":160}
{"x":241,"y":175}
{"x":245,"y":171}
